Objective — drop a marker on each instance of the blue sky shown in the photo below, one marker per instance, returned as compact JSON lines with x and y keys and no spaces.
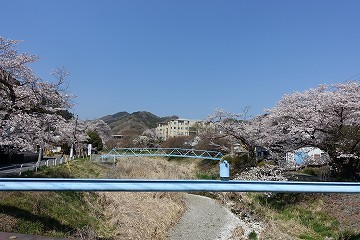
{"x":187,"y":57}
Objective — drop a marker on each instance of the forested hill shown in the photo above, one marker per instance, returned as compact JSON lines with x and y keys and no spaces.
{"x":138,"y":121}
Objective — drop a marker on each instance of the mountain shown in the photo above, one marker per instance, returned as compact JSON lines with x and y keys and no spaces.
{"x":138,"y":121}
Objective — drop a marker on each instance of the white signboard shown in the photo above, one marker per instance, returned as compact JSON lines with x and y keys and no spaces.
{"x":89,"y":149}
{"x":71,"y":152}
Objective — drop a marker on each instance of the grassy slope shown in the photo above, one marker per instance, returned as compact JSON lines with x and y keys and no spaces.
{"x":299,"y":216}
{"x":98,"y":215}
{"x":58,"y":214}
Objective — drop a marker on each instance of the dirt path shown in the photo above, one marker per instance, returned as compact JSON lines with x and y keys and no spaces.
{"x":204,"y":219}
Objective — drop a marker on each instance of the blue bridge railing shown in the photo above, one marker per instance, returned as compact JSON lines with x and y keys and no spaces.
{"x":162,"y":152}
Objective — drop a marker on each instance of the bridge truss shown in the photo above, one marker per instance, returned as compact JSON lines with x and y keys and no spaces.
{"x":162,"y":152}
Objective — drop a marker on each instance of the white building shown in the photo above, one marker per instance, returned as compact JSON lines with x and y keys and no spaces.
{"x":307,"y":155}
{"x":176,"y":128}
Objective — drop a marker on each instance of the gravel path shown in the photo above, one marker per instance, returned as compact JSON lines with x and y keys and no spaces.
{"x":204,"y":219}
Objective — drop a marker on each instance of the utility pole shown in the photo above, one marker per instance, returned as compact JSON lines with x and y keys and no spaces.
{"x":73,"y":144}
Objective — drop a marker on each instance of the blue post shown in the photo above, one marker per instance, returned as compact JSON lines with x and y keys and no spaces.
{"x":224,"y":170}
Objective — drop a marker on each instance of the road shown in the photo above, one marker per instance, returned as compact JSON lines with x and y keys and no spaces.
{"x":17,"y":169}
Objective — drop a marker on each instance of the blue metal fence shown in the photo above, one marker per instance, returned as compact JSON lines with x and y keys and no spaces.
{"x":162,"y":152}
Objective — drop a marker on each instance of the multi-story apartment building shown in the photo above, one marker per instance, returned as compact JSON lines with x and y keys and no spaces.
{"x":176,"y":128}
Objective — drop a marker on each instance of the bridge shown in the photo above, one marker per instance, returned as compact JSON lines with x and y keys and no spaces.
{"x":162,"y":152}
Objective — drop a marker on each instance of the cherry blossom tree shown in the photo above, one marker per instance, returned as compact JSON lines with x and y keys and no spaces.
{"x":231,"y":128}
{"x":327,"y":117}
{"x":148,"y":138}
{"x":29,"y":108}
{"x":100,"y":127}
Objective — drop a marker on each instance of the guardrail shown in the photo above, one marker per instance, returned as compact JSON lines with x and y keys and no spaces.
{"x":137,"y":185}
{"x":20,"y":168}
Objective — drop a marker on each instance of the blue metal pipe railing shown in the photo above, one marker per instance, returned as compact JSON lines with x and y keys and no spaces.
{"x":137,"y":185}
{"x":163,"y":152}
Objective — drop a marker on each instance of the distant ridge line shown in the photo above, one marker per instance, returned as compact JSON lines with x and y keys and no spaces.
{"x":137,"y":121}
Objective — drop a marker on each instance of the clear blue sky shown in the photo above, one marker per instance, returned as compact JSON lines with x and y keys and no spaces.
{"x":187,"y":57}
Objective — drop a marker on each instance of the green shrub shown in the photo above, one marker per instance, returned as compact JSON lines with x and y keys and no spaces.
{"x":279,"y":201}
{"x":239,"y":163}
{"x":323,"y":172}
{"x":95,"y":140}
{"x":206,"y":176}
{"x":252,"y":235}
{"x":264,"y":163}
{"x":310,"y":171}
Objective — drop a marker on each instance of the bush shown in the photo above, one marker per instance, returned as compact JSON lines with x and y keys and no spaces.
{"x":310,"y":171}
{"x":95,"y":140}
{"x":239,"y":163}
{"x":206,"y":176}
{"x":252,"y":235}
{"x":323,"y":172}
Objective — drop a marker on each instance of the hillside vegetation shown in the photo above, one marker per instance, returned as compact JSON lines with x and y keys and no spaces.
{"x":136,"y":121}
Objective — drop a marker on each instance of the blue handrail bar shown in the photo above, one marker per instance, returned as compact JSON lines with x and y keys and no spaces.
{"x":142,"y":185}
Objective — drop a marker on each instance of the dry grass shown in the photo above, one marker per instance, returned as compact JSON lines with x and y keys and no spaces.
{"x":145,"y":215}
{"x":154,"y":168}
{"x":283,"y":230}
{"x":344,"y":207}
{"x":8,"y":223}
{"x":238,"y":234}
{"x":142,"y":215}
{"x":271,"y":227}
{"x":250,"y":211}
